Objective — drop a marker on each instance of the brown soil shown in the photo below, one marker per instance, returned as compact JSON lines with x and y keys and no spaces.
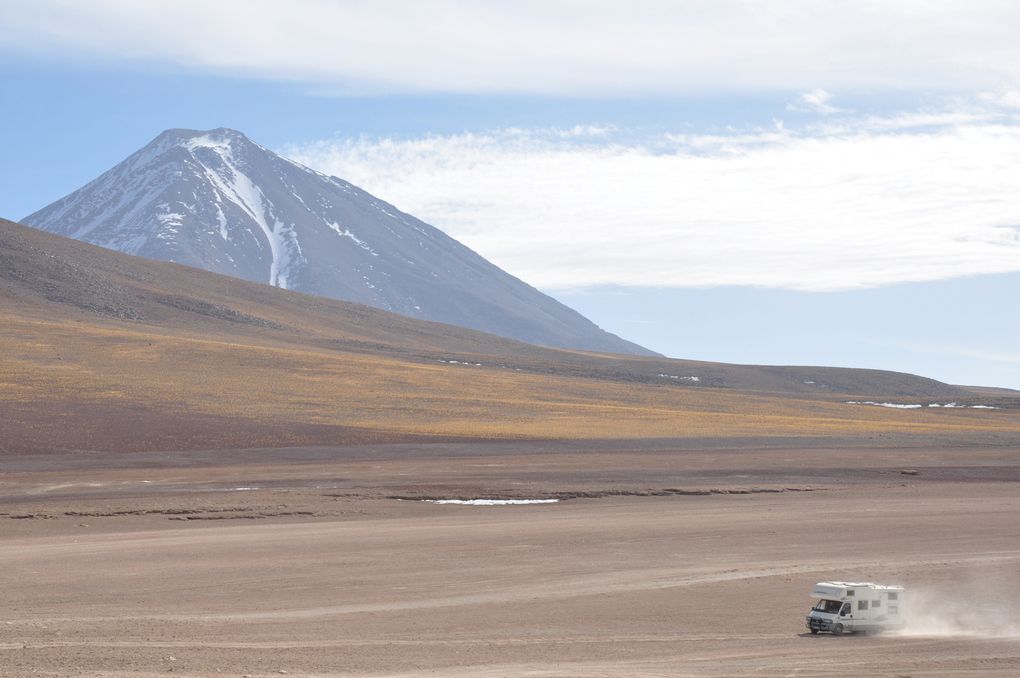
{"x":688,"y":558}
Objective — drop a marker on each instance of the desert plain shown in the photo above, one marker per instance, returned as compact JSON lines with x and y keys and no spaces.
{"x":673,"y":557}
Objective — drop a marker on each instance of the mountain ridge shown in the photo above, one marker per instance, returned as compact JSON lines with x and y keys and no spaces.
{"x":219,"y":201}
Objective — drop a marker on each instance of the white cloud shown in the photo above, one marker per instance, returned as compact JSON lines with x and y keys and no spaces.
{"x":855,"y":203}
{"x":549,"y":46}
{"x":1005,"y":98}
{"x":816,"y":101}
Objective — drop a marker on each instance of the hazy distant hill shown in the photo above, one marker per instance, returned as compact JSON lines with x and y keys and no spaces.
{"x":102,"y":350}
{"x":218,"y":201}
{"x":60,"y":278}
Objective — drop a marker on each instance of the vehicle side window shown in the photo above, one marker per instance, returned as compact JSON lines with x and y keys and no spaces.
{"x":846,"y":610}
{"x":893,"y":595}
{"x":862,"y":605}
{"x":876,"y":603}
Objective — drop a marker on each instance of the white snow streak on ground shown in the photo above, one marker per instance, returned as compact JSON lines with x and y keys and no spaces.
{"x":171,"y":219}
{"x":491,"y":502}
{"x":346,"y":233}
{"x":897,"y":406}
{"x":973,"y":407}
{"x":914,"y":406}
{"x":221,"y":218}
{"x":243,"y":192}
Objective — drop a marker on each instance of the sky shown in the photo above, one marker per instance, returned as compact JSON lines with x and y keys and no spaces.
{"x":771,"y":182}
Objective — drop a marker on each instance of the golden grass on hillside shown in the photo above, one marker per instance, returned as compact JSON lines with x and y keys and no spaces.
{"x":254,"y":382}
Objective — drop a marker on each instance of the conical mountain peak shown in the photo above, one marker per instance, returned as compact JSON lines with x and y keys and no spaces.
{"x":216,"y":200}
{"x":180,"y":135}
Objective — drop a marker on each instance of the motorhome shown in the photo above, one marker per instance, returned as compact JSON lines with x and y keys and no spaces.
{"x":849,"y":607}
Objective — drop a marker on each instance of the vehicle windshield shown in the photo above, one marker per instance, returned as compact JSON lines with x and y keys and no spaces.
{"x":828,"y":606}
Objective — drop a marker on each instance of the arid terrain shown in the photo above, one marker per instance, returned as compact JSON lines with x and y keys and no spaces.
{"x":661,"y":558}
{"x":104,"y":351}
{"x":201,"y":476}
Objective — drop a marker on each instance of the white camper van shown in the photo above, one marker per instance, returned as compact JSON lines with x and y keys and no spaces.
{"x":846,"y":607}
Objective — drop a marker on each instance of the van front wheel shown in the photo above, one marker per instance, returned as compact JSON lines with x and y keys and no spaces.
{"x":837,"y":630}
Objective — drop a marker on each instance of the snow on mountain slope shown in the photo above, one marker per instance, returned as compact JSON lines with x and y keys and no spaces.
{"x":219,"y":201}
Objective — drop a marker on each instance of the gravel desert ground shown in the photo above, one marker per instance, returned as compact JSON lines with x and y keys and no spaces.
{"x":662,"y":558}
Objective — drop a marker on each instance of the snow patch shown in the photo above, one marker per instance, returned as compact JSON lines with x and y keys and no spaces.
{"x":679,"y":377}
{"x":346,"y":233}
{"x":171,"y":219}
{"x":914,"y":406}
{"x":491,"y":502}
{"x":206,"y":141}
{"x":221,"y":219}
{"x":957,"y":406}
{"x":238,"y":187}
{"x":898,"y":406}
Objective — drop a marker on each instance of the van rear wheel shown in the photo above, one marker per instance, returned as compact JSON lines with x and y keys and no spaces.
{"x":837,"y":630}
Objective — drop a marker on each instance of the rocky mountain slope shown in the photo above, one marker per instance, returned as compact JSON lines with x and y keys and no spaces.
{"x":218,"y":201}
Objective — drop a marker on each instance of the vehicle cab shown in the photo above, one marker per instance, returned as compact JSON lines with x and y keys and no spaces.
{"x":829,"y":615}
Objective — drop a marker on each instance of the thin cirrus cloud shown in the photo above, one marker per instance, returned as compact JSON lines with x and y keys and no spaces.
{"x":853,"y":202}
{"x":552,"y":47}
{"x":815,"y":101}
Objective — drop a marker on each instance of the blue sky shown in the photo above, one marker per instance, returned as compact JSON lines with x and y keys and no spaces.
{"x":786,"y":182}
{"x":955,"y":329}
